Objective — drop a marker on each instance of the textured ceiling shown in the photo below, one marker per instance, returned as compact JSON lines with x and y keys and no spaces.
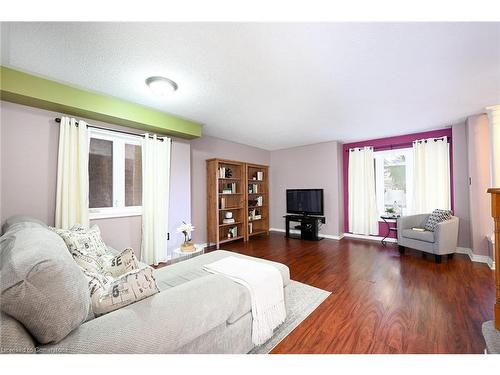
{"x":277,"y":85}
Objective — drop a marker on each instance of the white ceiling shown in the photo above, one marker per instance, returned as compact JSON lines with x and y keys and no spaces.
{"x":277,"y":85}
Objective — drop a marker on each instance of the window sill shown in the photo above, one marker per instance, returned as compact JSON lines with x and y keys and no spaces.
{"x":110,"y":215}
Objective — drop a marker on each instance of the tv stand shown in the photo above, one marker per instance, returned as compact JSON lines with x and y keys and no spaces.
{"x":309,"y":226}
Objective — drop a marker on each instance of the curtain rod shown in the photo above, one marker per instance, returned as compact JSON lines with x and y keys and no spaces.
{"x":58,"y":120}
{"x":390,"y":147}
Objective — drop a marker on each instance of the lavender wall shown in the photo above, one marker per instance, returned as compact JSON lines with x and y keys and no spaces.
{"x":206,"y":148}
{"x":312,"y":166}
{"x":29,"y":142}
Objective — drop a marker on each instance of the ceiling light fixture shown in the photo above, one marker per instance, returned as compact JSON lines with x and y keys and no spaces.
{"x":161,"y":86}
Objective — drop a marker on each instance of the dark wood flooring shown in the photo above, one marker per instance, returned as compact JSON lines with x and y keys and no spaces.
{"x":381,"y":301}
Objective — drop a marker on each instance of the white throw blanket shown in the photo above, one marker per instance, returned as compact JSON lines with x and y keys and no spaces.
{"x":266,"y":291}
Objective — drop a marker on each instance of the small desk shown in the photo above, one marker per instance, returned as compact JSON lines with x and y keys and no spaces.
{"x":389,"y":229}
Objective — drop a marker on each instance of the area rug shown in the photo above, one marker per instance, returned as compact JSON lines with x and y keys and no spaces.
{"x":302,"y":300}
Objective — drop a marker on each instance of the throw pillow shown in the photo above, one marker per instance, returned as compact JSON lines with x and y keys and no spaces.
{"x":121,"y":263}
{"x":108,"y":294}
{"x":86,"y":247}
{"x":437,"y":216}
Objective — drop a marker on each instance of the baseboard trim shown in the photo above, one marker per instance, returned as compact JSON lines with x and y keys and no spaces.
{"x":296,"y":231}
{"x":476,"y":258}
{"x":369,"y":238}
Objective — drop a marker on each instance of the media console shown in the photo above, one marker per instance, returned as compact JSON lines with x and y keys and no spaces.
{"x":309,"y":226}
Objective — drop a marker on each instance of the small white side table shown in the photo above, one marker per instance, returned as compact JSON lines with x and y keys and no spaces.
{"x":179,"y":255}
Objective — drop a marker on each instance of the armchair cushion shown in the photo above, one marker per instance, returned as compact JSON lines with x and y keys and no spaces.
{"x":426,"y":236}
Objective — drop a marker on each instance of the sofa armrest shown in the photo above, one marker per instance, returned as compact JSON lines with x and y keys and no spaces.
{"x":446,"y":236}
{"x":158,"y":324}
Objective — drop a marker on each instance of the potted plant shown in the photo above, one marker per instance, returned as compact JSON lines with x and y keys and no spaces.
{"x":390,"y":211}
{"x":186,"y":229}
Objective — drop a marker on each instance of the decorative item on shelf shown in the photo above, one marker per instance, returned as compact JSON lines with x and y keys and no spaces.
{"x":254,"y":215}
{"x":186,"y":229}
{"x":232,"y":232}
{"x":225,"y":172}
{"x":222,"y":203}
{"x":250,"y":228}
{"x":228,"y":218}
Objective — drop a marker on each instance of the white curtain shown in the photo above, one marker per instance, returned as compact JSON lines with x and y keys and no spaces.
{"x":363,"y":217}
{"x":431,"y":175}
{"x":72,"y":195}
{"x":155,"y":197}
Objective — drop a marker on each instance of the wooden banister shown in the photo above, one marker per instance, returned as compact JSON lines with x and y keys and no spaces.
{"x":495,"y":212}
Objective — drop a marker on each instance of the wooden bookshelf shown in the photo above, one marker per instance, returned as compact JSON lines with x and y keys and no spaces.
{"x":257,"y":199}
{"x":230,"y":188}
{"x":226,"y":184}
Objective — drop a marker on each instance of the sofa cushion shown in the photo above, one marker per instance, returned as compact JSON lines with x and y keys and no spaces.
{"x":436,"y":217}
{"x":13,"y":337}
{"x":24,"y":221}
{"x":418,"y":235}
{"x":191,"y":269}
{"x":159,"y":324}
{"x":41,"y":285}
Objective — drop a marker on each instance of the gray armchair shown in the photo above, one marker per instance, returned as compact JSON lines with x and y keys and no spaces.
{"x":440,"y":242}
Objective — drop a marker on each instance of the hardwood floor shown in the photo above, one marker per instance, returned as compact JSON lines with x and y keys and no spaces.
{"x":382,"y":301}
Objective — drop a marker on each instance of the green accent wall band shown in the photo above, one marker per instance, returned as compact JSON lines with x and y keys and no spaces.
{"x":27,"y":89}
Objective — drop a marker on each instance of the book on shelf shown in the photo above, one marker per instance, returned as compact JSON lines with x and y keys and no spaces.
{"x":260,"y":175}
{"x":225,"y":172}
{"x":222,"y":203}
{"x":259,"y":201}
{"x":250,"y":228}
{"x":229,"y":188}
{"x":228,"y":221}
{"x":253,"y":188}
{"x":232,"y":232}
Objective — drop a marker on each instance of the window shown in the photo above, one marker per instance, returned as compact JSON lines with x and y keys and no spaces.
{"x":115,"y":175}
{"x":394,"y":179}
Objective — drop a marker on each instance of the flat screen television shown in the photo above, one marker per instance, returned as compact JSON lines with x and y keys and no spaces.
{"x":304,"y":201}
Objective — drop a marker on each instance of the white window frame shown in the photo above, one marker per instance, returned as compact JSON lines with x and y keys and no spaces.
{"x":379,"y":178}
{"x":119,"y":209}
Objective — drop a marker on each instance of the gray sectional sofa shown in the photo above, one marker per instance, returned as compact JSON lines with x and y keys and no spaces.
{"x":45,"y":304}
